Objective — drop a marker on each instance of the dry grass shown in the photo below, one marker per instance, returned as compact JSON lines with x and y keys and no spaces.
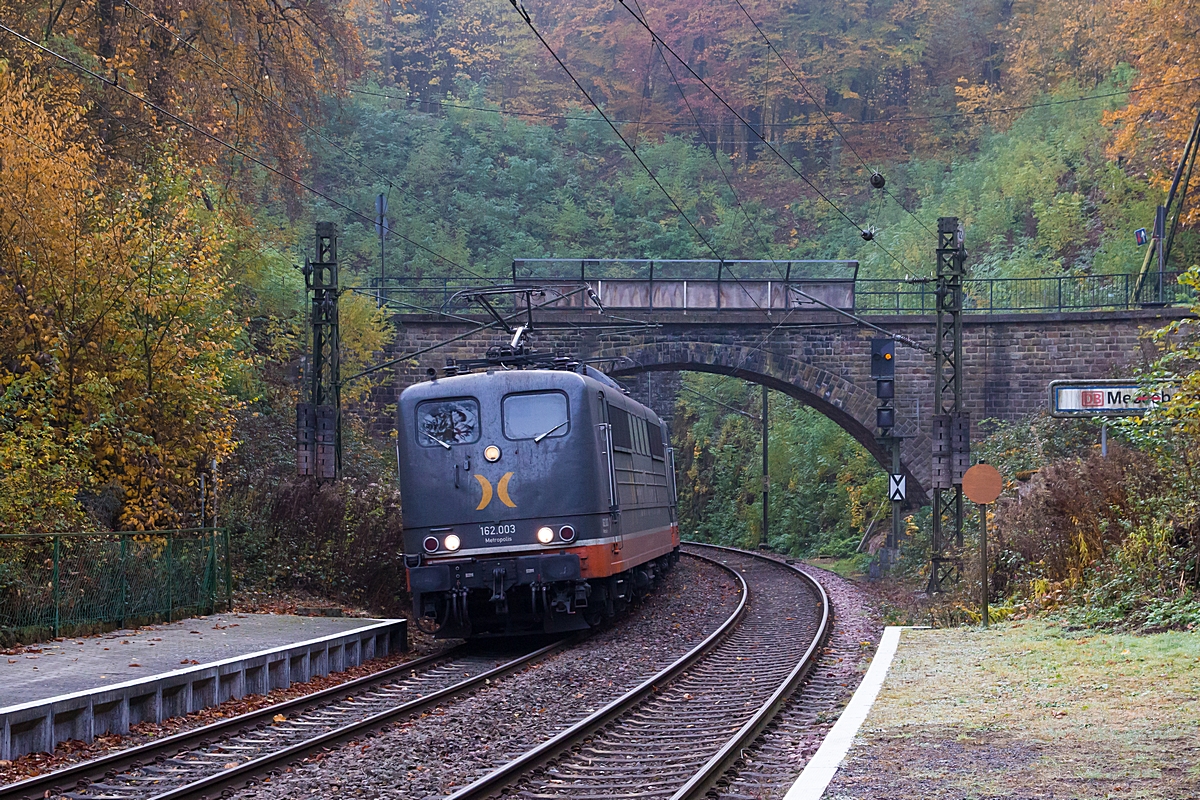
{"x":1029,"y":710}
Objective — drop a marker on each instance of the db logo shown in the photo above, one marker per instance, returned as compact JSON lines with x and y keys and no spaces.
{"x":1091,"y":399}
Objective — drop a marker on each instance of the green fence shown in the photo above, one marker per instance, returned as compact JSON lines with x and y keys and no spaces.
{"x":54,"y":583}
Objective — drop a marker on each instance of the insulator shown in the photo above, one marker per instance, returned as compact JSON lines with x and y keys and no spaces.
{"x":877,"y":180}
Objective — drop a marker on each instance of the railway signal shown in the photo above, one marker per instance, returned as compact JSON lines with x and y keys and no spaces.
{"x":883,"y":371}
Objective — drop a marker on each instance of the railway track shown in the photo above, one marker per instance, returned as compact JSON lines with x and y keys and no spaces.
{"x":207,"y":760}
{"x":676,"y":734}
{"x":673,"y":735}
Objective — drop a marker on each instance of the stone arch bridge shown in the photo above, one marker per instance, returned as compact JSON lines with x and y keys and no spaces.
{"x":817,"y":357}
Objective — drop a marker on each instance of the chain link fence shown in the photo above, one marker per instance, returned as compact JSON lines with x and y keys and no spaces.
{"x":62,"y":583}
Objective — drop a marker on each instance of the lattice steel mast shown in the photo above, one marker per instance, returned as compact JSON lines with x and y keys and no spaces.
{"x":319,"y":421}
{"x":951,"y":424}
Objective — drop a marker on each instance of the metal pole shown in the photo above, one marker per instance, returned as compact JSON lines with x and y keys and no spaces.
{"x":170,"y":578}
{"x":214,"y":493}
{"x":766,"y":479}
{"x":1104,"y":439}
{"x":983,"y":564}
{"x":54,"y":584}
{"x":124,"y":578}
{"x":1160,"y":233}
{"x":228,"y":573}
{"x":948,"y":413}
{"x":210,"y":576}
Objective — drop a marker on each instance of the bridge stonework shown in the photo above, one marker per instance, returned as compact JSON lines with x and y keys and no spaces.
{"x":823,"y":360}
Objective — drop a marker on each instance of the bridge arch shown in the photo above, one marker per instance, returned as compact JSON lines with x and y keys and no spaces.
{"x":850,"y":406}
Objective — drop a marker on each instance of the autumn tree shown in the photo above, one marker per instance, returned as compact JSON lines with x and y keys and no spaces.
{"x":251,"y":73}
{"x":116,"y":332}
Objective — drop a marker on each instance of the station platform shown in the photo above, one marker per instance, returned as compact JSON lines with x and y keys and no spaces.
{"x":82,"y":688}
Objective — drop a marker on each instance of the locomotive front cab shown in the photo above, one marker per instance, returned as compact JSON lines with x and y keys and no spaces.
{"x":499,"y":474}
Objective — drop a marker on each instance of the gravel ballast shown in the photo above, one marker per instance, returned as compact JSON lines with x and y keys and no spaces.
{"x":779,"y":755}
{"x":445,"y":749}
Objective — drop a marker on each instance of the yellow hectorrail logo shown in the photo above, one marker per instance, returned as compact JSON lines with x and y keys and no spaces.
{"x":501,"y":491}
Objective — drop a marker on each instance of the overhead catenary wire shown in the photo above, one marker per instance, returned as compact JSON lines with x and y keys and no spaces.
{"x":979,"y":112}
{"x":520,"y":9}
{"x":233,"y":148}
{"x":820,"y":107}
{"x":274,"y":103}
{"x":787,"y":162}
{"x":753,"y":226}
{"x":529,"y":22}
{"x":732,"y":408}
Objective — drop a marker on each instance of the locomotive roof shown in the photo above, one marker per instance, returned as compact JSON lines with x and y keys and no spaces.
{"x":531,"y":377}
{"x":523,"y":379}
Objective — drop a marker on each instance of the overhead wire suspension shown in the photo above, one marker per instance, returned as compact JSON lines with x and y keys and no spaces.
{"x":874,"y":172}
{"x":786,"y":161}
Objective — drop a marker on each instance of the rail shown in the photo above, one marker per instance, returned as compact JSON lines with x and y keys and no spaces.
{"x":672,"y":731}
{"x":214,"y":757}
{"x":751,"y":286}
{"x":56,"y":582}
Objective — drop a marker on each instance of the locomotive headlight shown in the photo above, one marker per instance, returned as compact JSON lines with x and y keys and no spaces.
{"x":451,"y":543}
{"x":430,"y":544}
{"x":545,"y":535}
{"x":566,"y":533}
{"x":491,"y":453}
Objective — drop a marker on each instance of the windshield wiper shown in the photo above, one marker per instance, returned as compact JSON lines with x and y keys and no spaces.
{"x":439,"y":441}
{"x":538,"y":439}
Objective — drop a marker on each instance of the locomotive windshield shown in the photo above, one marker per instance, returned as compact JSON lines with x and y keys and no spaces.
{"x":536,"y":416}
{"x":447,"y":422}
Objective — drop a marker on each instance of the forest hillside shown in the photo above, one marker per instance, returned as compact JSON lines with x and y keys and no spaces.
{"x":163,"y":162}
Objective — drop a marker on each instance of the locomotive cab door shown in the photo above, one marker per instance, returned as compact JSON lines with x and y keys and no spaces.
{"x":605,"y":447}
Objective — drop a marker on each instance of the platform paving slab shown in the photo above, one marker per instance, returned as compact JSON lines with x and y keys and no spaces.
{"x":1029,"y":710}
{"x":81,"y":688}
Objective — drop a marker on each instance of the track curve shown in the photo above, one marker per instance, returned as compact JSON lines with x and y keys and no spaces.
{"x":676,"y":734}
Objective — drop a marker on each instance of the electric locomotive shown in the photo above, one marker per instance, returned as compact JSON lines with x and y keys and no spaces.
{"x":534,"y":500}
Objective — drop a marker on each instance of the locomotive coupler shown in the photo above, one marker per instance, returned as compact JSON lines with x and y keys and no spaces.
{"x":499,"y":598}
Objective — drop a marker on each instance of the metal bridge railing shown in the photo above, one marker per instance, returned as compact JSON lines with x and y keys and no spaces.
{"x":56,"y":582}
{"x":754,"y":278}
{"x":1027,"y":295}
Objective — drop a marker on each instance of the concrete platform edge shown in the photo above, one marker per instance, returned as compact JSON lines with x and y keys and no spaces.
{"x":821,"y":768}
{"x":39,"y":725}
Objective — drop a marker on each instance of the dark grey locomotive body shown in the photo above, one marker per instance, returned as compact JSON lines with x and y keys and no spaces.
{"x":533,"y":500}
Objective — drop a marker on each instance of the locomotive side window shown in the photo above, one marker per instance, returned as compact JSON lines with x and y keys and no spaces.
{"x":621,"y":436}
{"x":656,"y":445}
{"x":539,"y":415}
{"x":441,"y":423}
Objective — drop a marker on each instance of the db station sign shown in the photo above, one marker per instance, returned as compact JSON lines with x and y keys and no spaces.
{"x":1115,"y":398}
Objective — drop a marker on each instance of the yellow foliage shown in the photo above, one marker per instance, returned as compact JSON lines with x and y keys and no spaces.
{"x":111,"y":304}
